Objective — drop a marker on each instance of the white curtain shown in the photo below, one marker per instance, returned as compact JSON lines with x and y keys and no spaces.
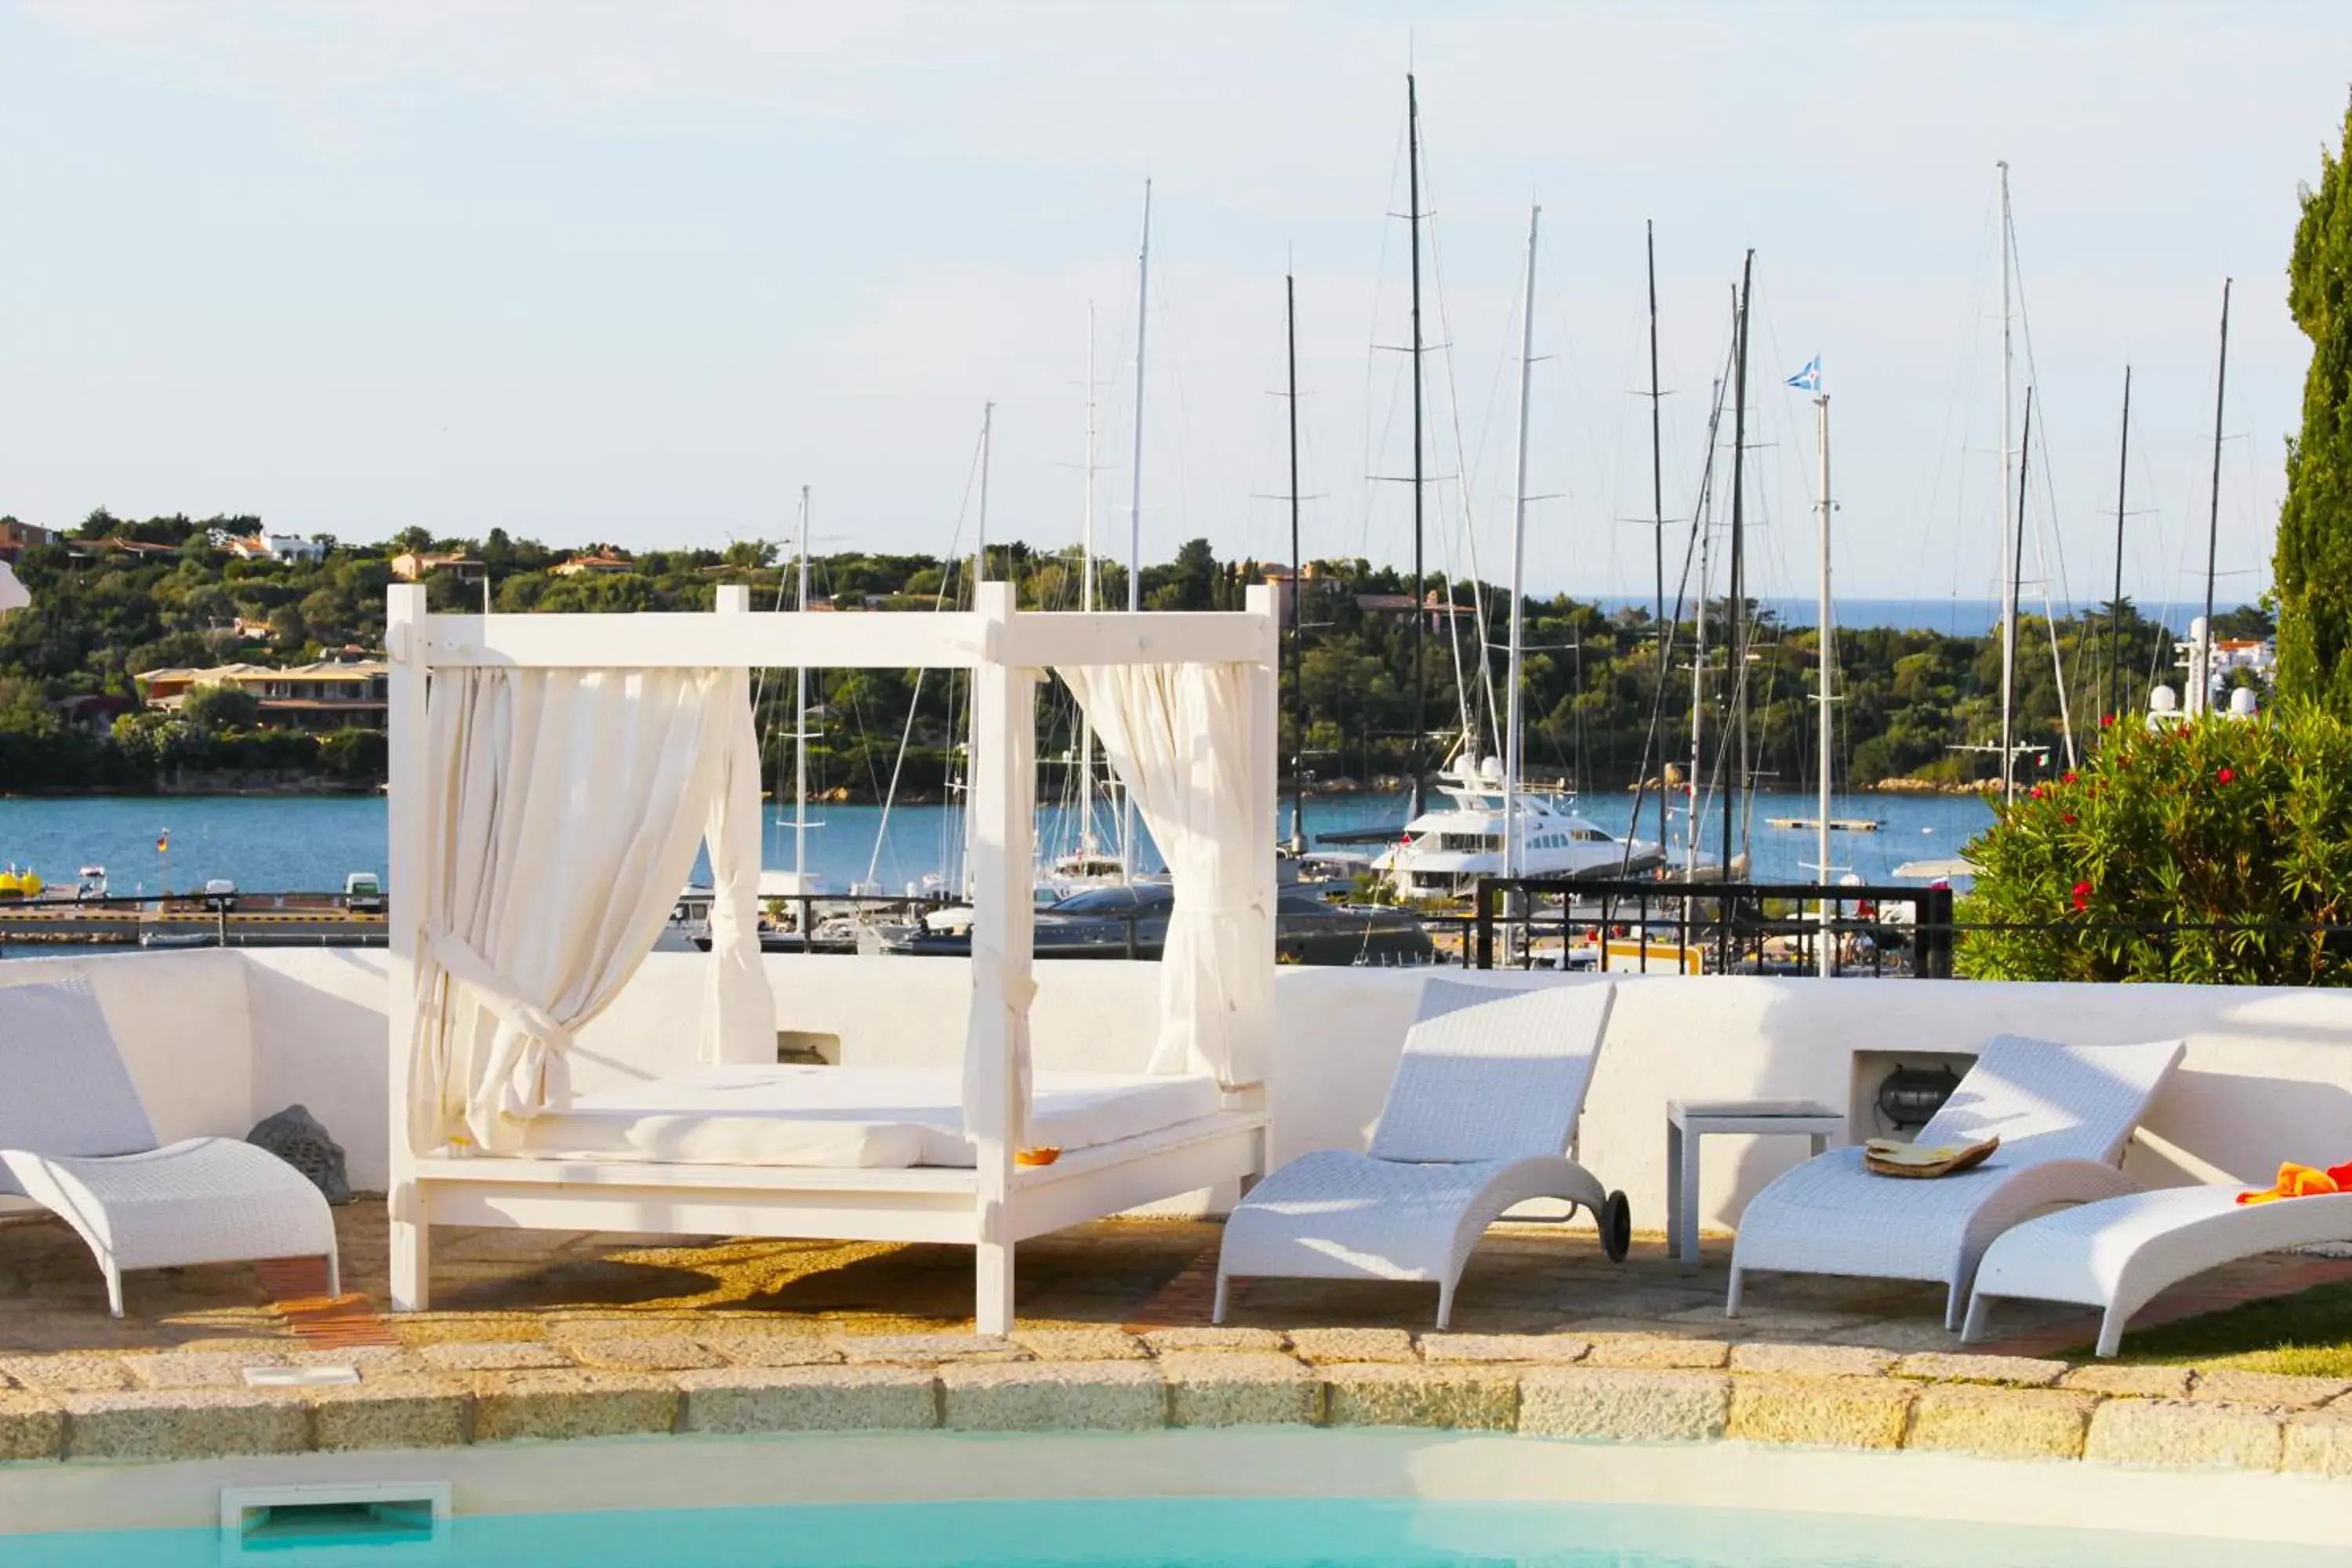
{"x":1179,"y":735}
{"x":564,"y":810}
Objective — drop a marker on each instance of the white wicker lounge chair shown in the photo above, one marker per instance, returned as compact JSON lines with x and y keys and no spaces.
{"x":75,"y":1140}
{"x":2119,"y":1254}
{"x":2063,"y":1114}
{"x":1483,"y":1106}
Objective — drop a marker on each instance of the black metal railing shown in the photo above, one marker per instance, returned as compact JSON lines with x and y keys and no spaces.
{"x":1766,"y":928}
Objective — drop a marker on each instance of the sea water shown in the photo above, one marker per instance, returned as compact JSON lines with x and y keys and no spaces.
{"x":1204,"y":1531}
{"x":309,"y":843}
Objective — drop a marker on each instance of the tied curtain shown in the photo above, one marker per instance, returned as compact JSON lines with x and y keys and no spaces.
{"x":564,"y":808}
{"x":1180,"y":736}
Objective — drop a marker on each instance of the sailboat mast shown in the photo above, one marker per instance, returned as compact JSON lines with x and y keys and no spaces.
{"x":2115,"y":605}
{"x":1511,"y":704}
{"x":2016,"y":571}
{"x":1737,"y":638}
{"x":800,"y":718}
{"x":1420,"y":588}
{"x":1657,"y":496}
{"x":2011,"y":524}
{"x":1087,"y":605}
{"x":2203,"y":674}
{"x":1297,"y":579}
{"x":1135,"y":503}
{"x":979,"y":575}
{"x":1827,"y":629}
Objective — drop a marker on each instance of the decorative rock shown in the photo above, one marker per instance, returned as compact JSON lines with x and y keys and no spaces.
{"x":2318,"y":1443}
{"x":494,"y":1355}
{"x":1230,"y":1388}
{"x":736,"y":1400}
{"x":625,"y":1353}
{"x":2267,"y":1389}
{"x":2183,"y":1434}
{"x":1376,"y":1394}
{"x":1162,"y":1340}
{"x":1553,"y":1348}
{"x":1657,"y":1353}
{"x":565,"y":1405}
{"x":1623,"y":1405}
{"x":927,"y":1350}
{"x":182,"y":1424}
{"x":31,"y":1427}
{"x":73,"y":1373}
{"x":1089,"y":1397}
{"x":2001,"y":1423}
{"x":1813,"y":1361}
{"x":1080,"y":1344}
{"x":1352,"y":1344}
{"x":2130,"y":1382}
{"x":1821,"y":1412}
{"x":295,"y":1136}
{"x":391,"y":1413}
{"x":2016,"y":1371}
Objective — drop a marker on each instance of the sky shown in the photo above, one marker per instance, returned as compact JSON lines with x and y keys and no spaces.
{"x":593,"y":271}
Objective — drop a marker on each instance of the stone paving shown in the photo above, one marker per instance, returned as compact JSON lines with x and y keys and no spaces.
{"x":551,"y":1335}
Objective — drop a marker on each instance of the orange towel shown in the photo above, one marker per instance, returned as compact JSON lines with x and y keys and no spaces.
{"x":2303,"y":1181}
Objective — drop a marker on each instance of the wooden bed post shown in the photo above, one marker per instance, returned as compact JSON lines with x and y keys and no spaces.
{"x":1004,"y":799}
{"x":406,"y":812}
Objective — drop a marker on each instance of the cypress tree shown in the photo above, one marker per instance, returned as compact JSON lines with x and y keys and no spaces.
{"x":2312,"y":568}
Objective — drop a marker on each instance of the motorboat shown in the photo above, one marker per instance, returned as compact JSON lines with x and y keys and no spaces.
{"x":1096,"y":923}
{"x":1444,"y":852}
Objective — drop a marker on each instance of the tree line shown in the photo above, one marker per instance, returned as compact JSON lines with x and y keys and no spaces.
{"x":1598,"y":715}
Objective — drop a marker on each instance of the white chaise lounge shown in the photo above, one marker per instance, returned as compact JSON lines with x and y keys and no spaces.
{"x":75,"y":1138}
{"x":2063,"y":1114}
{"x":2119,"y":1254}
{"x":1480,"y":1116}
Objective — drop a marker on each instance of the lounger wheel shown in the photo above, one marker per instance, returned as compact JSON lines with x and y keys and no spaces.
{"x":1616,"y":1221}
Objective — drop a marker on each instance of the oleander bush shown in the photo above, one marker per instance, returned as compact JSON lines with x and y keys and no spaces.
{"x":2204,"y":852}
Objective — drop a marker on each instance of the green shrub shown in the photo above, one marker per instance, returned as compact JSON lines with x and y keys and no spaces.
{"x":2176,"y":854}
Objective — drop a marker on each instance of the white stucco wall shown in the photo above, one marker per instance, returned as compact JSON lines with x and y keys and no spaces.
{"x":218,"y":1040}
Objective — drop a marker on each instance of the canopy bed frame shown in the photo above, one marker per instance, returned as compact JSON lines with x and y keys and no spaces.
{"x":551,"y":778}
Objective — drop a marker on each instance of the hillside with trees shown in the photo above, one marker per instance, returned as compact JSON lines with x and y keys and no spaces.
{"x":114,"y":599}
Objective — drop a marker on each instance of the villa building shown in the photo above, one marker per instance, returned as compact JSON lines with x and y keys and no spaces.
{"x":333,"y":694}
{"x":16,"y":538}
{"x":604,"y":560}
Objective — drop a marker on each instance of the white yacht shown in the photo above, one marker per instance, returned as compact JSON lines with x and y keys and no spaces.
{"x":1445,"y":851}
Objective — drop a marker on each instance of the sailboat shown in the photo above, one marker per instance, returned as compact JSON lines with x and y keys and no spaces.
{"x":1493,"y":824}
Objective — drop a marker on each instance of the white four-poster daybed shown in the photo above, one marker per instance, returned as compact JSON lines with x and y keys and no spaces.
{"x":551,"y":778}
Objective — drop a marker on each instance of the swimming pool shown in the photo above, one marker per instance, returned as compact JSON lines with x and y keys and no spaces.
{"x":1181,"y":1532}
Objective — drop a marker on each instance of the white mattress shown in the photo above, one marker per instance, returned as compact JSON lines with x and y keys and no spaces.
{"x":874,"y":1118}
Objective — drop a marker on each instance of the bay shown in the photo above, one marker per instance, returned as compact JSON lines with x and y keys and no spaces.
{"x":288,"y":844}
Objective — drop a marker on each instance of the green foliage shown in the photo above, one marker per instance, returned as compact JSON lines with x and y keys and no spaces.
{"x":2176,"y":855}
{"x":2313,"y":567}
{"x":212,"y":709}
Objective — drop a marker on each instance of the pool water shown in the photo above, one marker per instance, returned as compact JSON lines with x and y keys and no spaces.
{"x":1222,"y":1533}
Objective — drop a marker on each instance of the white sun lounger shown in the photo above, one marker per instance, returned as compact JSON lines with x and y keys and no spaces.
{"x":75,"y":1140}
{"x":2063,"y":1114}
{"x":2118,"y":1255}
{"x":1483,"y":1106}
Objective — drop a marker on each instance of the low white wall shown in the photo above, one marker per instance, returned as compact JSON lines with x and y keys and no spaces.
{"x":218,"y":1040}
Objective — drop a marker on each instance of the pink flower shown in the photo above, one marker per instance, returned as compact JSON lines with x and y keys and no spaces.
{"x":2107,"y":720}
{"x":2224,"y":776}
{"x":2081,"y":896}
{"x":2034,"y":794}
{"x":2071,"y":777}
{"x":2070,"y":819}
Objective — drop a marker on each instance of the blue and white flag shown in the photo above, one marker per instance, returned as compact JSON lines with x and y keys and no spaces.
{"x":1810,"y":378}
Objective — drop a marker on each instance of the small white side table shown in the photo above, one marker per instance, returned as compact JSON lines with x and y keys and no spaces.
{"x":1688,"y":1124}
